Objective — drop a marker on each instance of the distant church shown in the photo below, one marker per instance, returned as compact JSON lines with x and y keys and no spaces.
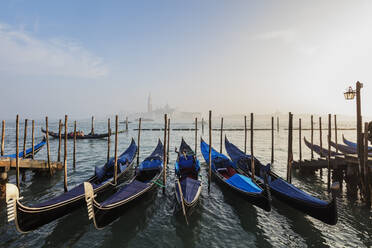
{"x":149,"y":104}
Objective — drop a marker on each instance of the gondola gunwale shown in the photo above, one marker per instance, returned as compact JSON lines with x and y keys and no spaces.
{"x":87,"y":136}
{"x":261,"y":199}
{"x":12,"y":210}
{"x":37,"y":148}
{"x":302,"y":205}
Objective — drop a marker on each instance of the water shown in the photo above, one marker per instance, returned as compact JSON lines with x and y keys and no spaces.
{"x":221,"y":220}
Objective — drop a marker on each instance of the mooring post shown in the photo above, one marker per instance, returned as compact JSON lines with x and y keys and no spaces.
{"x":196,"y":137}
{"x":116,"y":149}
{"x":359,"y":125}
{"x":139,"y":138}
{"x":312,"y":137}
{"x":245,"y":134}
{"x":210,"y":152}
{"x":2,"y":137}
{"x":290,"y":154}
{"x":74,"y":149}
{"x":24,"y":149}
{"x":65,"y":157}
{"x":17,"y":151}
{"x":202,"y":126}
{"x":92,"y":131}
{"x":165,"y":152}
{"x":320,"y":136}
{"x":336,"y":133}
{"x":25,"y":139}
{"x":47,"y":141}
{"x":329,"y":151}
{"x":126,"y":123}
{"x":168,"y":136}
{"x":221,"y":134}
{"x":272,"y":139}
{"x":277,"y":123}
{"x":108,"y":139}
{"x":33,"y":139}
{"x":252,"y":154}
{"x":59,"y":139}
{"x":366,"y":172}
{"x":300,"y":139}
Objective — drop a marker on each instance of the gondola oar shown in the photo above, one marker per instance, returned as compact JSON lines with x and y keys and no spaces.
{"x":182,"y":203}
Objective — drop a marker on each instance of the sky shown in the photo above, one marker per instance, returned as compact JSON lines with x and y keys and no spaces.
{"x":86,"y":58}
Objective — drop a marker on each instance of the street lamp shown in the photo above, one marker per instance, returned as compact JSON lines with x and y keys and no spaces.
{"x":349,"y":94}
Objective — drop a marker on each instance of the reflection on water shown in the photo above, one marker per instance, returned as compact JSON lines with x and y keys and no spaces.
{"x":221,"y":219}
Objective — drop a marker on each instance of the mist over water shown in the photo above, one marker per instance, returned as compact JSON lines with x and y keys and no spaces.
{"x":222,"y":219}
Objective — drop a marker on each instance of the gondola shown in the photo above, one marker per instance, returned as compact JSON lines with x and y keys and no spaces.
{"x":28,"y":218}
{"x":322,"y":152}
{"x":37,"y":148}
{"x":353,"y":145}
{"x":187,"y":168}
{"x":345,"y":149}
{"x":286,"y":192}
{"x":142,"y":183}
{"x":226,"y":173}
{"x":71,"y":135}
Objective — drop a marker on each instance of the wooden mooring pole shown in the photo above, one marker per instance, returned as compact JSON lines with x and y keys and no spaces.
{"x":196,"y":137}
{"x":116,"y":150}
{"x":336,"y":133}
{"x":221,"y":134}
{"x":312,"y":137}
{"x":168,"y":136}
{"x":25,"y":139}
{"x":17,"y":151}
{"x":290,"y":154}
{"x":2,"y":137}
{"x":252,"y":154}
{"x":33,"y":139}
{"x":48,"y":147}
{"x":329,"y":152}
{"x":202,"y":126}
{"x":165,"y":152}
{"x":366,"y":170}
{"x":126,"y":123}
{"x":59,"y":139}
{"x":359,"y":125}
{"x":272,"y":140}
{"x":74,"y":148}
{"x":24,"y":148}
{"x":92,"y":131}
{"x":245,"y":134}
{"x":108,"y":139}
{"x":277,"y":123}
{"x":139,"y":138}
{"x":210,"y":152}
{"x":299,"y":140}
{"x":321,"y":142}
{"x":65,"y":157}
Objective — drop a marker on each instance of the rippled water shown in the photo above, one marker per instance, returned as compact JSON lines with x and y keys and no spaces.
{"x":221,"y":220}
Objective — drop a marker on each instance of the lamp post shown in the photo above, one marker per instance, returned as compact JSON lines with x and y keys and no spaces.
{"x":349,"y":95}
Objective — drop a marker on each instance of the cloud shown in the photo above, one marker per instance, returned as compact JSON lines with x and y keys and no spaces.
{"x":21,"y":53}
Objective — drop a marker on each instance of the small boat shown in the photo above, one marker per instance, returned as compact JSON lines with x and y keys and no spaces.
{"x":28,"y":218}
{"x":71,"y":135}
{"x":353,"y":145}
{"x":345,"y":149}
{"x":144,"y":181}
{"x":284,"y":191}
{"x":322,"y":152}
{"x":37,"y":148}
{"x":187,"y":168}
{"x":226,"y":173}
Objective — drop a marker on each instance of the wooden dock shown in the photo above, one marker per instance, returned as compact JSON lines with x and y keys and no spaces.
{"x":10,"y":163}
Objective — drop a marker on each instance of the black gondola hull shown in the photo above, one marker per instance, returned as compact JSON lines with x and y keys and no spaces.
{"x":105,"y":216}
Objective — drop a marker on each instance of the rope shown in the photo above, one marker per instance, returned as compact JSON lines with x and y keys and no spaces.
{"x":159,"y":184}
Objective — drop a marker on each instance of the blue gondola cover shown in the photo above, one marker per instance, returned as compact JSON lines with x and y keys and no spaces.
{"x":243,"y":183}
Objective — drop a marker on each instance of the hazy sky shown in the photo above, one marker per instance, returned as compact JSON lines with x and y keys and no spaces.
{"x":102,"y":57}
